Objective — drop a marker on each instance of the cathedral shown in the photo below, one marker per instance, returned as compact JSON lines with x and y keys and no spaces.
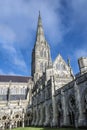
{"x":51,"y":97}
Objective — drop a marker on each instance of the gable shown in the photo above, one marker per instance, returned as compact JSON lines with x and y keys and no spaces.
{"x":60,"y":67}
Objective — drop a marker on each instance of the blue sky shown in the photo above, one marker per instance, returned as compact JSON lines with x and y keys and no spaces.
{"x":65,"y":27}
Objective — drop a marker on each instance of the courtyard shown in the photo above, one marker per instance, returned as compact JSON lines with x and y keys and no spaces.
{"x":37,"y":128}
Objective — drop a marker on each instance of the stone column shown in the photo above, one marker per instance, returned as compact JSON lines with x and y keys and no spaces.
{"x":47,"y":116}
{"x":29,"y":95}
{"x":23,"y":121}
{"x":37,"y":117}
{"x":46,"y":122}
{"x":11,"y":114}
{"x":64,"y":108}
{"x":10,"y":126}
{"x":16,"y":124}
{"x":78,"y":106}
{"x":3,"y":126}
{"x":54,"y":121}
{"x":33,"y":116}
{"x":28,"y":122}
{"x":9,"y":91}
{"x":41,"y":116}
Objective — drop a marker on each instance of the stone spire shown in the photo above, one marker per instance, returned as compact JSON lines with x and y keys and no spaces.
{"x":68,"y":61}
{"x":71,"y":72}
{"x":40,"y":33}
{"x":41,"y":58}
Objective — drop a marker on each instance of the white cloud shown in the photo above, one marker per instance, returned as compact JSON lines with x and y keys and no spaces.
{"x":20,"y":63}
{"x":9,"y":48}
{"x":7,"y":35}
{"x":81,"y":11}
{"x":79,"y":14}
{"x":21,"y":15}
{"x":7,"y":73}
{"x":12,"y":73}
{"x":18,"y":21}
{"x":15,"y":57}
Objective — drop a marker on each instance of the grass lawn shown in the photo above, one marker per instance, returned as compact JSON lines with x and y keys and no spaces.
{"x":36,"y":128}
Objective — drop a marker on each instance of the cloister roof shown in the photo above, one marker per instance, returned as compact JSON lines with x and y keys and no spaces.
{"x":13,"y":78}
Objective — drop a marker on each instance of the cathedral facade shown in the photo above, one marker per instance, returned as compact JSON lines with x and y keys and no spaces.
{"x":59,"y":99}
{"x":52,"y":97}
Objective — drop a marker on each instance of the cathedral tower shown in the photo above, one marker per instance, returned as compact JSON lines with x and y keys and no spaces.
{"x":41,"y":58}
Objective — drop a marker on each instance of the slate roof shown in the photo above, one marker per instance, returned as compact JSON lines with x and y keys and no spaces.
{"x":13,"y":78}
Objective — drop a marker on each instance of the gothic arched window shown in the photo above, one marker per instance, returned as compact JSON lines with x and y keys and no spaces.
{"x":44,"y":53}
{"x":72,"y":102}
{"x":41,"y":53}
{"x":45,"y":64}
{"x":41,"y":66}
{"x":60,"y":66}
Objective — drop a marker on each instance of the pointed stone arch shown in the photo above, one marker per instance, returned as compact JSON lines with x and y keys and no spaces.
{"x":59,"y":112}
{"x":71,"y":109}
{"x":50,"y":108}
{"x":84,"y":105}
{"x":5,"y":119}
{"x":17,"y":120}
{"x":44,"y":114}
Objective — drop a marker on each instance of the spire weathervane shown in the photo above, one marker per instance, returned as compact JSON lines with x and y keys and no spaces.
{"x":39,"y":13}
